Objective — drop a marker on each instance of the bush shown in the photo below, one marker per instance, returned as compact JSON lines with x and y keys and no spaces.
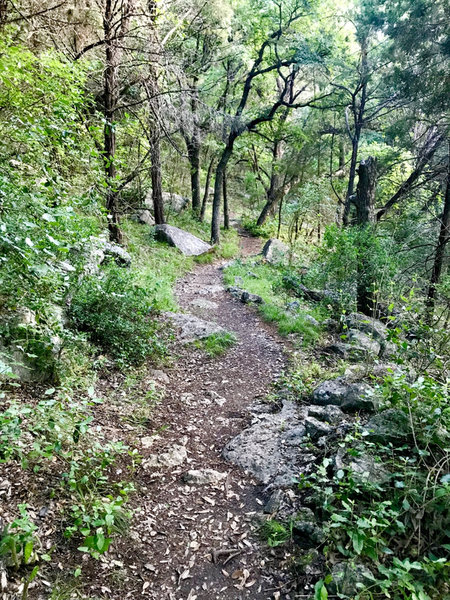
{"x":116,"y":315}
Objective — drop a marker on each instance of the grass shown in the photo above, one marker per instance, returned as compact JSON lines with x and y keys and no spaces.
{"x":217,"y":343}
{"x":266,"y":281}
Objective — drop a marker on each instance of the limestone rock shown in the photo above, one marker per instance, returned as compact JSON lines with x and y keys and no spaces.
{"x":316,"y":429}
{"x":204,"y":477}
{"x":204,"y":304}
{"x":329,"y":414}
{"x":188,"y":244}
{"x":350,"y":397}
{"x":244,"y":296}
{"x":274,"y":502}
{"x":362,"y":340}
{"x":364,"y":468}
{"x":172,"y":202}
{"x":192,"y":328}
{"x":146,"y":218}
{"x":346,"y":351}
{"x":275,"y":252}
{"x":388,"y":426}
{"x":269,"y":449}
{"x":305,"y":531}
{"x":174,"y":457}
{"x":368,"y":325}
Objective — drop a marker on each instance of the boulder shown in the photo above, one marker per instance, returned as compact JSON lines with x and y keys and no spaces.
{"x":273,"y":504}
{"x":305,"y":531}
{"x":192,"y":328}
{"x":368,"y":325}
{"x":389,"y":426}
{"x":146,"y":218}
{"x":364,"y":341}
{"x":316,"y":429}
{"x":116,"y":252}
{"x":244,"y":296}
{"x":173,"y":202}
{"x":173,"y":457}
{"x":365,"y":469}
{"x":275,"y":252}
{"x":346,"y":351}
{"x":350,"y":397}
{"x":269,"y":449}
{"x":329,"y":414}
{"x":188,"y":244}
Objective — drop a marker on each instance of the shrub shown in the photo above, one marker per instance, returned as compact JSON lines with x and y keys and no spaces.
{"x":116,"y":315}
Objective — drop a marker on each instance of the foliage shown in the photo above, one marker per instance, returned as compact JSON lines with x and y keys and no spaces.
{"x":117,"y":315}
{"x":217,"y":343}
{"x":18,"y":539}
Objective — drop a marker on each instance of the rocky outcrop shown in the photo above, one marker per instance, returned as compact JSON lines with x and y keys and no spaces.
{"x":188,"y":244}
{"x":350,"y":397}
{"x":192,"y":328}
{"x":389,"y":426}
{"x":269,"y":448}
{"x":275,"y":252}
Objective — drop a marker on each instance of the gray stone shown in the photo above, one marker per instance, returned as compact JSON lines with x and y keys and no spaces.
{"x":316,"y":429}
{"x":273,"y":504}
{"x":350,"y":397}
{"x":362,"y":340}
{"x":174,"y":457}
{"x":293,"y":306}
{"x":173,"y":202}
{"x":331,"y":325}
{"x":204,"y":477}
{"x":121,"y":256}
{"x":346,"y":576}
{"x":146,"y":218}
{"x":188,"y":244}
{"x":389,"y":426}
{"x":192,"y":328}
{"x":311,"y":320}
{"x":238,"y":281}
{"x":262,"y":449}
{"x":275,"y":252}
{"x":305,"y":531}
{"x":365,"y":469}
{"x":204,"y":304}
{"x":346,"y":351}
{"x":329,"y":414}
{"x":249,"y":298}
{"x":367,"y":325}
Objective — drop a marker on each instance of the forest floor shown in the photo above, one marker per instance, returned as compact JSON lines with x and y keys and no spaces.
{"x":200,"y":541}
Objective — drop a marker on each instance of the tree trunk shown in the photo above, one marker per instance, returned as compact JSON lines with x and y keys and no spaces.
{"x":206,"y":194}
{"x":193,"y":148}
{"x":155,"y":158}
{"x":365,"y":201}
{"x":275,"y":191}
{"x":226,"y":215}
{"x":444,"y":237}
{"x":218,"y":189}
{"x":110,"y":103}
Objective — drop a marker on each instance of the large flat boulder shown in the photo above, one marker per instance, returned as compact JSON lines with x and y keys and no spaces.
{"x":188,"y":244}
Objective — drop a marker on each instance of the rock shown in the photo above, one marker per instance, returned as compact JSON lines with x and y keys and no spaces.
{"x":149,"y":440}
{"x":275,"y":252}
{"x":174,"y":457}
{"x":316,"y":429}
{"x":203,"y":303}
{"x":273,"y":504}
{"x":312,"y":321}
{"x":269,"y":449}
{"x":350,"y":397}
{"x":305,"y":531}
{"x":159,"y":375}
{"x":204,"y":477}
{"x":146,"y":218}
{"x":238,"y":281}
{"x":187,"y":243}
{"x":192,"y":328}
{"x":365,"y":469}
{"x":224,"y":266}
{"x":116,"y":252}
{"x":364,"y":341}
{"x":346,"y":351}
{"x":244,"y":296}
{"x":248,"y":298}
{"x":331,"y":325}
{"x":389,"y":426}
{"x":346,"y":576}
{"x":293,"y":306}
{"x":368,"y":325}
{"x":173,"y":202}
{"x":329,"y":414}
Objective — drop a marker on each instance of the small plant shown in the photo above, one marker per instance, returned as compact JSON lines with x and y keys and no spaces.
{"x":18,"y":540}
{"x":275,"y":533}
{"x":217,"y":343}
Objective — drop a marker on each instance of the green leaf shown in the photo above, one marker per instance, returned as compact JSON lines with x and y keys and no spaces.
{"x":27,"y":551}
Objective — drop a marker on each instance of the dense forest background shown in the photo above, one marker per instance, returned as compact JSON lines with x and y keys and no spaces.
{"x":323,"y":124}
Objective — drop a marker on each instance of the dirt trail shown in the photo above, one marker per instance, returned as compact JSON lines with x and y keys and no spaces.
{"x":205,"y":406}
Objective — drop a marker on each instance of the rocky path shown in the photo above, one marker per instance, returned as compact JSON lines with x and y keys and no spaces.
{"x":197,"y":536}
